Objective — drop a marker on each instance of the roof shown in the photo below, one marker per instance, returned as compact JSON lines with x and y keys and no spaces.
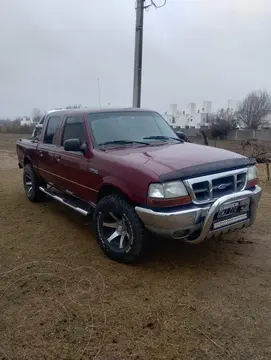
{"x":50,"y":111}
{"x":93,"y":110}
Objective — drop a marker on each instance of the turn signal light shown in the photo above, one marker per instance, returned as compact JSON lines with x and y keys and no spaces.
{"x":252,"y":183}
{"x":169,"y":202}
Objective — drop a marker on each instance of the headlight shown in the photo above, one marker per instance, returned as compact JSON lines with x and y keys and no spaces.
{"x":252,"y":173}
{"x":252,"y":176}
{"x":168,"y":190}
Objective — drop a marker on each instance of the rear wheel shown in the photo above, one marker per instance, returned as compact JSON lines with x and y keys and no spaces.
{"x":119,"y":231}
{"x":32,"y":184}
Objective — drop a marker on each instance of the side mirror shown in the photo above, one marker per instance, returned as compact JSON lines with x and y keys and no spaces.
{"x":182,"y":136}
{"x":75,"y":145}
{"x":36,"y":132}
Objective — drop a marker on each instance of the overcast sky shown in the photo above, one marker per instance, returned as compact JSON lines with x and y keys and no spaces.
{"x":53,"y":51}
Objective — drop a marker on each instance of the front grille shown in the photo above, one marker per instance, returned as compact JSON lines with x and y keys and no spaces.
{"x":211,"y":187}
{"x":241,"y":181}
{"x":223,"y":186}
{"x":201,"y":190}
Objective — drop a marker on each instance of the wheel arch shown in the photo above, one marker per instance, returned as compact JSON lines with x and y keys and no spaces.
{"x":27,"y":160}
{"x":110,"y":189}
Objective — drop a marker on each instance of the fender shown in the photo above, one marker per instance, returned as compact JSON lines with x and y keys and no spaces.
{"x":118,"y":184}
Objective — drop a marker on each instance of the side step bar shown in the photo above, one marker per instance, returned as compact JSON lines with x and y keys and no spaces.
{"x":66,"y":201}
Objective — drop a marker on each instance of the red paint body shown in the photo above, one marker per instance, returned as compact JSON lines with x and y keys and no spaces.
{"x":129,"y":169}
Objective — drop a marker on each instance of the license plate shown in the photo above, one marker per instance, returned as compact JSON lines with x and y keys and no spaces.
{"x":229,"y":209}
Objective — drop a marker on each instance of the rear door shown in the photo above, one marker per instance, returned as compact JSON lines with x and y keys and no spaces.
{"x":47,"y":147}
{"x":73,"y":168}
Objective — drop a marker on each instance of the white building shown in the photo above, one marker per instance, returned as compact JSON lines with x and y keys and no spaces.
{"x":26,"y":121}
{"x":192,"y":108}
{"x":232,"y":105}
{"x":207,"y":107}
{"x":193,"y":116}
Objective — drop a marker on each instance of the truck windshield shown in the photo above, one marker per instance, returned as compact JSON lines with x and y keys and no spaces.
{"x":126,"y":127}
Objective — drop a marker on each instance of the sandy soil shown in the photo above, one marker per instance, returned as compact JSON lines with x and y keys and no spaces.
{"x":60,"y":298}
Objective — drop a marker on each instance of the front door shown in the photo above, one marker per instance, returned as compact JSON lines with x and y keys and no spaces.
{"x":73,"y":168}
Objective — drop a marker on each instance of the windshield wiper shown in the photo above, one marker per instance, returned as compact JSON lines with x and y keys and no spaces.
{"x":123,"y":142}
{"x":161,"y":137}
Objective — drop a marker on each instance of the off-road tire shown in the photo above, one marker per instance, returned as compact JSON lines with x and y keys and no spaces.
{"x":116,"y":204}
{"x":29,"y":175}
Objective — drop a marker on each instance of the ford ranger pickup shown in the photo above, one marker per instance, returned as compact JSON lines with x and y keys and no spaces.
{"x":131,"y":172}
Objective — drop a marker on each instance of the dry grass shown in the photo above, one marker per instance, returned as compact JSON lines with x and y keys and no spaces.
{"x":60,"y":298}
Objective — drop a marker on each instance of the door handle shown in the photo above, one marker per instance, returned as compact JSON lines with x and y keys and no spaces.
{"x":41,"y":153}
{"x":58,"y":157}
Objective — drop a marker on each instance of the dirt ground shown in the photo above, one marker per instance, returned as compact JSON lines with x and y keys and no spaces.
{"x":60,"y":298}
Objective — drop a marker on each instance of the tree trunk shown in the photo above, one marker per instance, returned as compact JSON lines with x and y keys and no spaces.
{"x":205,"y":138}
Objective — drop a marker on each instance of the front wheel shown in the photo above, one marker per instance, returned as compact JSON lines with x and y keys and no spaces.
{"x":119,"y":231}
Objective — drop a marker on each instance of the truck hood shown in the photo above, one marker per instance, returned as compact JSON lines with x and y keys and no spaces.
{"x":180,"y":160}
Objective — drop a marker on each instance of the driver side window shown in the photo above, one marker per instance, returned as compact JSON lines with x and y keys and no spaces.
{"x":74,"y":129}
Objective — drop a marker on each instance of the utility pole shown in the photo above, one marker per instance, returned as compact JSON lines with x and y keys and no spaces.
{"x":138,"y":53}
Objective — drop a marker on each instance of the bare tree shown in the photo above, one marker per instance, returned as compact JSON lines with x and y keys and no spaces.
{"x":36,"y":115}
{"x":74,"y":106}
{"x":222,"y":123}
{"x":256,"y":149}
{"x":254,"y":108}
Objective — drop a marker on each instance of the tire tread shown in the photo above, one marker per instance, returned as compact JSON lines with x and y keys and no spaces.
{"x":37,"y":195}
{"x":139,"y":231}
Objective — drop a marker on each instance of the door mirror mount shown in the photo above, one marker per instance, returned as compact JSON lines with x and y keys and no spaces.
{"x":84,"y":148}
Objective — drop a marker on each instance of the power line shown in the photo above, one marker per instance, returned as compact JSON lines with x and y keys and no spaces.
{"x":158,"y":6}
{"x":153,"y":4}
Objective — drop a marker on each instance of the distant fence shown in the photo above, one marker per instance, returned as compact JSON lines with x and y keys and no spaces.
{"x":262,"y":135}
{"x":15,"y":128}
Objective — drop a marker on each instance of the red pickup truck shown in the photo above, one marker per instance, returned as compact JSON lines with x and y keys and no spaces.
{"x":128,"y":169}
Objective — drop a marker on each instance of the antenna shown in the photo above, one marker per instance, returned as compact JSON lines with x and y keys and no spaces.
{"x":99,"y":92}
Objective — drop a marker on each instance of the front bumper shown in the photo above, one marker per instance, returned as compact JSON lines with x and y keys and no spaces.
{"x":194,"y":224}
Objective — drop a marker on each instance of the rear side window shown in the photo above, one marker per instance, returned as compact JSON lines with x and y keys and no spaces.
{"x":53,"y":125}
{"x":74,"y":129}
{"x":41,"y":120}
